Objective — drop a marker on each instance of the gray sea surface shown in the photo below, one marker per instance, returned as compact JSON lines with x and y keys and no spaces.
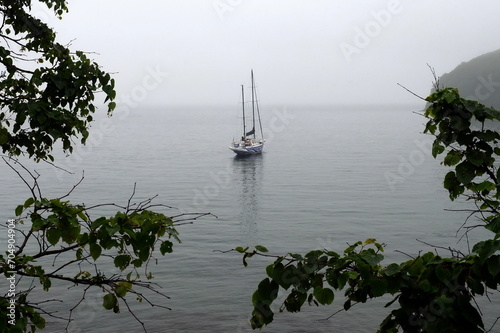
{"x":329,"y":176}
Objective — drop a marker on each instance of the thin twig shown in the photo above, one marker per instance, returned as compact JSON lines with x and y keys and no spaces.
{"x":411,"y":92}
{"x":74,"y":186}
{"x":130,"y":199}
{"x":133,"y":314}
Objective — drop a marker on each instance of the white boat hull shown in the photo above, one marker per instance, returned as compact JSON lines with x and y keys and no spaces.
{"x":242,"y":149}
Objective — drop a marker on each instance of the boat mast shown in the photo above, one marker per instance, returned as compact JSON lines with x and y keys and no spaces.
{"x":253,"y":105}
{"x":258,"y":115}
{"x":255,"y":100}
{"x":243,"y":106}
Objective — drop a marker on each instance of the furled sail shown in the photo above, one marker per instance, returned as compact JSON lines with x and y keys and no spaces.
{"x":251,"y":132}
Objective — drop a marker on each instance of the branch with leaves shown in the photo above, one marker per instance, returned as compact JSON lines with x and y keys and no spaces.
{"x":48,"y":95}
{"x":63,"y":242}
{"x":430,"y":293}
{"x":47,"y":91}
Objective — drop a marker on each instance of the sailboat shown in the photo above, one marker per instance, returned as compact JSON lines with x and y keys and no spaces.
{"x":249,"y":143}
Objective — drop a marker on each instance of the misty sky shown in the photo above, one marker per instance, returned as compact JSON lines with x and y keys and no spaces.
{"x":174,"y":52}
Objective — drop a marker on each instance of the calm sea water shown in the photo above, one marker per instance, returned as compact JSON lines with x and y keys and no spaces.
{"x":329,"y":176}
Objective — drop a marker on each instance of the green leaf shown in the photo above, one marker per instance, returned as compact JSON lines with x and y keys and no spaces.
{"x":437,"y":149}
{"x":392,"y":269}
{"x":261,"y":248}
{"x":82,"y":215}
{"x":38,"y":320}
{"x":371,"y":257}
{"x":370,"y":241}
{"x":121,"y":291}
{"x":295,"y":300}
{"x":472,"y":315}
{"x":352,"y":247}
{"x":475,"y":157}
{"x":450,"y":181}
{"x":79,"y":253}
{"x":97,"y":223}
{"x":493,"y":264}
{"x":122,"y":261}
{"x":137,"y":262}
{"x":166,"y":247}
{"x":475,"y":286}
{"x":53,"y":235}
{"x":443,"y":273}
{"x":29,"y":202}
{"x":266,"y":292}
{"x":19,"y":210}
{"x":241,"y":249}
{"x":494,"y":225}
{"x":342,"y":279}
{"x":427,"y":286}
{"x":457,"y":271}
{"x":285,"y":276}
{"x":95,"y":251}
{"x":4,"y":136}
{"x":84,"y":238}
{"x":465,"y":172}
{"x":452,"y":158}
{"x":486,"y":248}
{"x":378,"y":286}
{"x":324,"y":296}
{"x":112,"y":229}
{"x":450,"y":95}
{"x":485,"y":185}
{"x":109,"y":301}
{"x":488,"y":135}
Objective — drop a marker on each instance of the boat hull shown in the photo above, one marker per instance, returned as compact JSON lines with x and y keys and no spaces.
{"x":247,"y":150}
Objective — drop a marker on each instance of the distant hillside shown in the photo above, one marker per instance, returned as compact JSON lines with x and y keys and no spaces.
{"x":477,"y":79}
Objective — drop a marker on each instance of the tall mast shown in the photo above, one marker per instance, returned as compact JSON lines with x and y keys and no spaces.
{"x":258,"y":115}
{"x":243,"y":106}
{"x":253,"y":105}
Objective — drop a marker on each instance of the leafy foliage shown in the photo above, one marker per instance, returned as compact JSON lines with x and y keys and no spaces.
{"x":48,"y":95}
{"x":430,"y":293}
{"x":81,"y":249}
{"x":47,"y":92}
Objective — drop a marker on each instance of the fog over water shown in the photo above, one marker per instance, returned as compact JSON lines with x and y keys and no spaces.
{"x":303,"y":52}
{"x":328,"y":176}
{"x":332,"y":172}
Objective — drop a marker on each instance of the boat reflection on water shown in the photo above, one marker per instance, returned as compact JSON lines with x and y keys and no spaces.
{"x":248,"y":176}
